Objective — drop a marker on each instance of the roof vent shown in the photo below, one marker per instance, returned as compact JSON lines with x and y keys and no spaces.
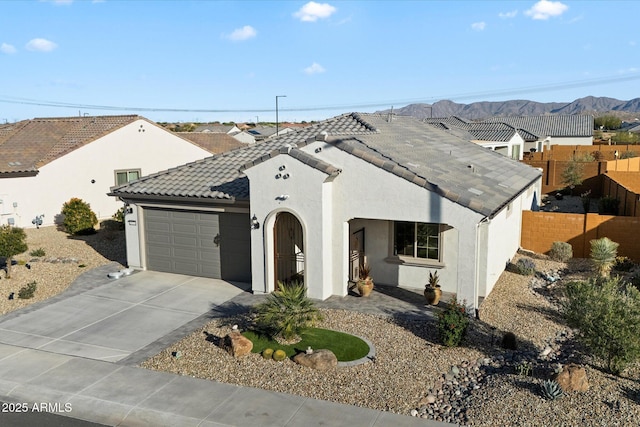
{"x":473,"y":168}
{"x":322,"y":136}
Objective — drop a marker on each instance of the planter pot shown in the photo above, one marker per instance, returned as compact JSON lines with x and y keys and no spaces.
{"x":432,"y":295}
{"x":365,"y":287}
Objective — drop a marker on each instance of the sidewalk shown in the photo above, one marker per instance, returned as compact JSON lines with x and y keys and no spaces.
{"x":117,"y":395}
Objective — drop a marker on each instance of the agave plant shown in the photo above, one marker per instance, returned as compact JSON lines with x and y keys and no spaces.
{"x":551,"y":390}
{"x":603,"y":255}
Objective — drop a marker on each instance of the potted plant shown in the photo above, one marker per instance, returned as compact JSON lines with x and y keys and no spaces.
{"x":432,"y":291}
{"x":365,"y":282}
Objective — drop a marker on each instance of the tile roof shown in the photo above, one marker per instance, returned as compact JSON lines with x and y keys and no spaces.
{"x":480,"y":131}
{"x":576,"y":125}
{"x":27,"y":145}
{"x":463,"y":172}
{"x":300,"y":155}
{"x":212,"y":142}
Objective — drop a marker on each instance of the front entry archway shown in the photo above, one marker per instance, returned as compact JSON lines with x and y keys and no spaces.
{"x":288,"y":244}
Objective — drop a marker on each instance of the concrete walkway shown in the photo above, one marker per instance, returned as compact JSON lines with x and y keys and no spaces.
{"x":86,"y":371}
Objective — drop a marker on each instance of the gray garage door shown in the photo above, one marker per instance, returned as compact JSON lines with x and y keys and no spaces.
{"x":205,"y":244}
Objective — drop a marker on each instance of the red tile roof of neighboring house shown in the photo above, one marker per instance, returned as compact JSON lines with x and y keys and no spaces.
{"x":27,"y":145}
{"x":215,"y":143}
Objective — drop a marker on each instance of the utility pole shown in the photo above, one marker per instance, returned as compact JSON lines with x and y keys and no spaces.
{"x":278,"y":96}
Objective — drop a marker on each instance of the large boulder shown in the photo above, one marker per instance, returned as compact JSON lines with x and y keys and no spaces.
{"x":237,"y":345}
{"x":322,"y":359}
{"x":573,"y":378}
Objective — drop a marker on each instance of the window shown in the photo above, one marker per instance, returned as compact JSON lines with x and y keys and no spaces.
{"x":417,"y":240}
{"x":125,"y":176}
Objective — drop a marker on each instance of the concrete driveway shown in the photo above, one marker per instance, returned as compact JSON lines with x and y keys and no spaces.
{"x":114,"y":320}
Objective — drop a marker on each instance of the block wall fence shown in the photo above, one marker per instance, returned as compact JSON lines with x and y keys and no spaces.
{"x":541,"y":229}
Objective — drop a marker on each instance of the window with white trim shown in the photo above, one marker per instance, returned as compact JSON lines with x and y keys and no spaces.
{"x":125,"y":176}
{"x":416,"y":240}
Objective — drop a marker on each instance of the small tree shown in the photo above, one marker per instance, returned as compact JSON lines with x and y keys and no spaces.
{"x":603,"y":255}
{"x":572,"y":175}
{"x":12,"y":242}
{"x":286,"y":312}
{"x":607,"y":316}
{"x":78,"y":217}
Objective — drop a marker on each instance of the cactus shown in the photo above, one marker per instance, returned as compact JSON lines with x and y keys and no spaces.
{"x":267,"y":353}
{"x":551,"y":390}
{"x":279,"y":355}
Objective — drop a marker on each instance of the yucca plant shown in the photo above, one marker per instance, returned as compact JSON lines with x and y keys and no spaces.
{"x":551,"y":390}
{"x":286,"y":312}
{"x":603,"y":255}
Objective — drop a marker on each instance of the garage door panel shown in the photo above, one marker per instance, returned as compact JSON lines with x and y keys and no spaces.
{"x":207,"y":244}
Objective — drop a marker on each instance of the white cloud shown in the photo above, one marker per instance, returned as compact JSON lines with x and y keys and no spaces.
{"x":478,"y":26}
{"x":506,"y":15}
{"x":546,"y":9}
{"x":244,"y":33}
{"x":314,"y":68}
{"x":41,"y":45}
{"x":313,"y":11}
{"x":7,"y":48}
{"x":628,"y":70}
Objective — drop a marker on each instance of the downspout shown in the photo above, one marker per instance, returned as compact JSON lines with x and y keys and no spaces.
{"x":485,"y":221}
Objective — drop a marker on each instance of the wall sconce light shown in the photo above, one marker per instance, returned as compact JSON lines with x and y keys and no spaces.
{"x":129,"y":210}
{"x":255,"y":224}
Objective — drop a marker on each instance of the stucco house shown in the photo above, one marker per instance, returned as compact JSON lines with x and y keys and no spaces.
{"x":44,"y":162}
{"x":392,"y":192}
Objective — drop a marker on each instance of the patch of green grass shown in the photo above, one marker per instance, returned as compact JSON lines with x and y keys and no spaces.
{"x":346,"y":347}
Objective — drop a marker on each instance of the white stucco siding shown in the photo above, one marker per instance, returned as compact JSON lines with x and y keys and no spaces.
{"x":89,"y":172}
{"x":308,"y":197}
{"x":575,"y":140}
{"x":500,"y":239}
{"x":366,"y":192}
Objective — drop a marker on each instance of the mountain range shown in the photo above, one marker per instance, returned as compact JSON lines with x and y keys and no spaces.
{"x":597,"y":106}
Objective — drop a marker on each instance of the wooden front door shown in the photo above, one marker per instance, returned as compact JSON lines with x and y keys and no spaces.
{"x":289,"y":249}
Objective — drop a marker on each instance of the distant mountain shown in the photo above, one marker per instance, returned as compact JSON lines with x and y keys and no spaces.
{"x":482,"y":110}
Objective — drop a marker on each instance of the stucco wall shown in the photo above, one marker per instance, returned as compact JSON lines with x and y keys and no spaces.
{"x":139,"y":145}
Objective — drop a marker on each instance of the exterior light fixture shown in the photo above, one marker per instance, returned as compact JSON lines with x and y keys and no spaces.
{"x":255,"y":224}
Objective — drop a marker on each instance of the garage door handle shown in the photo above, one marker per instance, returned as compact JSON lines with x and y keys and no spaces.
{"x":217,"y":239}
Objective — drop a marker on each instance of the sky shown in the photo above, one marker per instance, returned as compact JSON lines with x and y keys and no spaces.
{"x":204,"y":61}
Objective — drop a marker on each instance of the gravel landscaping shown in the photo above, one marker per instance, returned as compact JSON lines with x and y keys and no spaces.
{"x":478,"y":384}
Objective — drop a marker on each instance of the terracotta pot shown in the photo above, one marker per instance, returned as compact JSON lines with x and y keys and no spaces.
{"x":433,"y":295}
{"x":365,"y":287}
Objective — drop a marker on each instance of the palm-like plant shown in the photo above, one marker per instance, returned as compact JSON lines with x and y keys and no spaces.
{"x":603,"y":255}
{"x":286,"y":312}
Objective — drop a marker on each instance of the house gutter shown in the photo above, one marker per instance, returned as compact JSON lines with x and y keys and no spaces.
{"x":484,"y":221}
{"x":512,"y":198}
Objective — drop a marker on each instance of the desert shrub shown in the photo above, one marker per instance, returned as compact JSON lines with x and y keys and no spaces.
{"x":561,"y":251}
{"x":13,"y":241}
{"x":606,"y":313}
{"x":452,"y":323}
{"x":623,"y":263}
{"x":27,"y":291}
{"x":635,"y":280}
{"x":608,"y":205}
{"x":628,"y":154}
{"x":37,"y":252}
{"x":119,"y":215}
{"x":78,"y":217}
{"x":603,"y":255}
{"x":524,"y":266}
{"x":286,"y":312}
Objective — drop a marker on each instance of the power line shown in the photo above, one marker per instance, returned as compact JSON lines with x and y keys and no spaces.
{"x":345,"y":107}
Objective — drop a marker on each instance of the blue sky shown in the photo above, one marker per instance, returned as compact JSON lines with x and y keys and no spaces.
{"x":217,"y":60}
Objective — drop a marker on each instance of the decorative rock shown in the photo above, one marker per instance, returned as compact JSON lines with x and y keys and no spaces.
{"x":322,"y":360}
{"x":237,"y":345}
{"x":573,"y":378}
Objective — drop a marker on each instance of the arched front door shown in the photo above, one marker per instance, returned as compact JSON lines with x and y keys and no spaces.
{"x":289,"y":249}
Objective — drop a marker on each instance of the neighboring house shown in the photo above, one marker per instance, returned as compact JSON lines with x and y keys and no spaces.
{"x":498,"y":137}
{"x":574,"y":129}
{"x":214,"y":143}
{"x":392,"y":192}
{"x":245,"y":137}
{"x":513,"y":136}
{"x":44,"y":162}
{"x":216,"y":128}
